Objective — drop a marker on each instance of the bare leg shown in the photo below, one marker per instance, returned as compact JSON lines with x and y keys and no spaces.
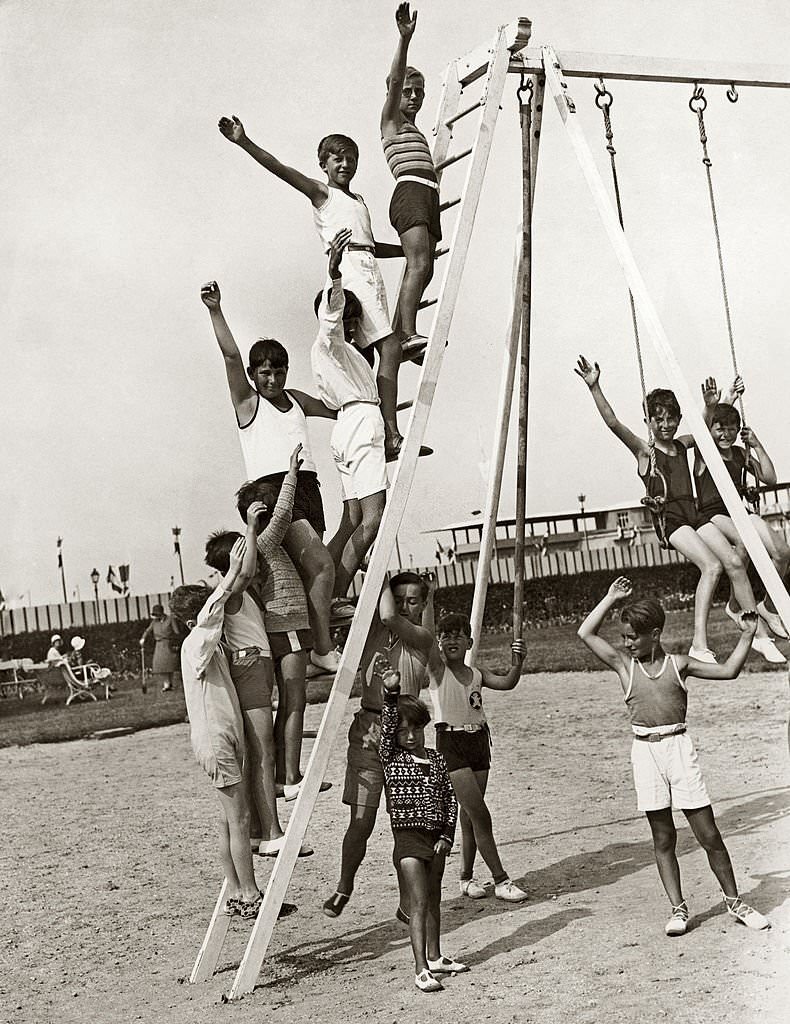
{"x":471,"y":798}
{"x":733,"y":565}
{"x":289,"y":722}
{"x":228,"y":867}
{"x":372,"y":508}
{"x":260,"y":750}
{"x":349,"y":521}
{"x":235,"y":804}
{"x":314,"y":564}
{"x":418,"y":246}
{"x":664,"y":841}
{"x":434,"y":916}
{"x":707,"y":834}
{"x":468,"y":846}
{"x":389,"y":350}
{"x":690,"y":544}
{"x":415,"y":877}
{"x":355,"y":845}
{"x":775,"y":545}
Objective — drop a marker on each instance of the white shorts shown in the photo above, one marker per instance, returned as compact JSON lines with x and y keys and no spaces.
{"x":361,"y":275}
{"x":357,"y":445}
{"x":667,"y":774}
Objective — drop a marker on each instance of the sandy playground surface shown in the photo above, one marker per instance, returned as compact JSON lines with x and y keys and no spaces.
{"x":110,"y":877}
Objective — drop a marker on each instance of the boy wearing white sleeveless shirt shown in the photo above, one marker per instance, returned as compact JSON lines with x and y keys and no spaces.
{"x":335,"y":206}
{"x":272,"y":424}
{"x":664,"y":761}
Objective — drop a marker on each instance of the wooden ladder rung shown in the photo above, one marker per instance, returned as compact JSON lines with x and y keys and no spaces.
{"x":449,"y":204}
{"x":427,"y":302}
{"x":463,"y":113}
{"x":453,"y":159}
{"x":401,"y":406}
{"x":441,"y":252}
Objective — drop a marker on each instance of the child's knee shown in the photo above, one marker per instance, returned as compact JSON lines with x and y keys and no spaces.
{"x":710,"y":840}
{"x":419,"y":262}
{"x":734,"y":564}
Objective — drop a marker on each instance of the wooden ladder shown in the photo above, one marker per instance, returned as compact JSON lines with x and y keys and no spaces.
{"x":490,"y":63}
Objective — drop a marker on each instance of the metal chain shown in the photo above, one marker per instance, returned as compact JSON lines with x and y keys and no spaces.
{"x":604,"y":101}
{"x":697,"y":105}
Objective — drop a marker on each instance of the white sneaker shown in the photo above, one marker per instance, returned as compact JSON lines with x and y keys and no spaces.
{"x":765,"y":646}
{"x":472,"y":888}
{"x":327,"y":662}
{"x":772,"y":621}
{"x":510,"y":892}
{"x":745,"y":914}
{"x":703,"y":654}
{"x":447,"y":965}
{"x":679,"y":922}
{"x":426,"y":982}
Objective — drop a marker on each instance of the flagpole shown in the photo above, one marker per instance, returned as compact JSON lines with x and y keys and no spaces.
{"x":62,"y":571}
{"x":177,"y":548}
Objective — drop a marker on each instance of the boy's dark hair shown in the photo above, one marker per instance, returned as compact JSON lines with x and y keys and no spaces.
{"x":268,"y":350}
{"x":454,"y":622}
{"x":725,"y":416}
{"x":263,"y":490}
{"x":402,"y":579}
{"x":661,"y":398}
{"x":412,"y":711}
{"x":410,"y":72}
{"x":335,"y":144}
{"x":218,"y":549}
{"x":186,"y":601}
{"x":352,"y":310}
{"x":643,"y":616}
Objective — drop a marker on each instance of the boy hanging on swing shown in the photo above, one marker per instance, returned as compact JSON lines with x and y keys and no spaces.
{"x":665,"y":465}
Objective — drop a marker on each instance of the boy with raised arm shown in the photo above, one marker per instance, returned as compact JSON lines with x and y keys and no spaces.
{"x":414,"y":208}
{"x":403,"y":630}
{"x":664,"y":761}
{"x":335,"y":206}
{"x":463,"y":737}
{"x":272,"y":422}
{"x":702,"y":543}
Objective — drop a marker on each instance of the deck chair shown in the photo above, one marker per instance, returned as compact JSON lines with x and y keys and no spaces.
{"x":82,"y":679}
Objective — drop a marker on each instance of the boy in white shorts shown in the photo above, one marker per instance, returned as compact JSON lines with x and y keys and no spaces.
{"x":335,"y":206}
{"x":663,"y":758}
{"x":345,"y":382}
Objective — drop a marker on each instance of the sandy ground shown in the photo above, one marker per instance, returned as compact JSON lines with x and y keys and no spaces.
{"x":109,"y":875}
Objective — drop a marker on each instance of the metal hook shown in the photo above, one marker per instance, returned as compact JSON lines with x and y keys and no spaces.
{"x":732,"y":93}
{"x":697,"y":103}
{"x":525,"y":86}
{"x":603,"y":98}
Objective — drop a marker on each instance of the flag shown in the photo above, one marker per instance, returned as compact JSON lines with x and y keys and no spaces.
{"x":176,"y":545}
{"x":2,"y":601}
{"x":123,"y":572}
{"x":112,"y":579}
{"x":60,"y":553}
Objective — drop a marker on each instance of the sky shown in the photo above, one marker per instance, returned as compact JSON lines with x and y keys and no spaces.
{"x":121,"y":198}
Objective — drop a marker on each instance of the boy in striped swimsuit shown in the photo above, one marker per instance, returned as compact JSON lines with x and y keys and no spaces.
{"x":414,"y":209}
{"x":663,"y":758}
{"x":336,"y":207}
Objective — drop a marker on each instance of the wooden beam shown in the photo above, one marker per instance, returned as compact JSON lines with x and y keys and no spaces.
{"x":655,"y":69}
{"x":474,"y":64}
{"x":655,"y":331}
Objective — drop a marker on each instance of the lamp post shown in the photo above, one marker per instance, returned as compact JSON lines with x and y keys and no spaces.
{"x":177,"y":550}
{"x":95,"y":582}
{"x":582,"y":499}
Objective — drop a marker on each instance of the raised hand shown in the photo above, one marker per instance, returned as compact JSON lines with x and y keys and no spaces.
{"x":589,"y":373}
{"x":385,"y":672}
{"x":237,"y":553}
{"x":429,"y":579}
{"x":734,"y":391}
{"x":336,"y":249}
{"x":210,"y":295}
{"x":405,"y":20}
{"x":232,"y":129}
{"x":620,"y":589}
{"x":296,"y":459}
{"x":256,"y":509}
{"x":519,"y":651}
{"x":710,"y":392}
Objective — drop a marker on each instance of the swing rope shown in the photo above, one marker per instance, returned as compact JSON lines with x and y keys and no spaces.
{"x":653,"y":502}
{"x":697,"y":105}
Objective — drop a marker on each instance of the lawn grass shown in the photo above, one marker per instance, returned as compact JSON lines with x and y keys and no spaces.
{"x":553,"y":649}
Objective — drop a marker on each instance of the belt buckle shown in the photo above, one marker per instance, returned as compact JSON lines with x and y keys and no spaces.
{"x":468,"y":727}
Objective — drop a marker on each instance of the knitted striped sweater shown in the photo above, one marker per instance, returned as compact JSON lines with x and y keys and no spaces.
{"x":279,"y":587}
{"x":414,"y":801}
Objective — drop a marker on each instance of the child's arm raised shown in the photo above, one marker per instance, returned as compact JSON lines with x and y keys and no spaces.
{"x":390,"y":680}
{"x":415,"y":636}
{"x":242,"y":393}
{"x":316,"y":191}
{"x":732,"y":666}
{"x":590,"y":373}
{"x":249,"y":563}
{"x":274,"y":534}
{"x":588,"y":631}
{"x":390,"y":114}
{"x":511,"y":678}
{"x":760,"y":463}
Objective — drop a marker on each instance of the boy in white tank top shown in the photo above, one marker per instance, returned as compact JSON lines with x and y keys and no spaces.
{"x":663,"y":757}
{"x":462,"y":736}
{"x":336,"y":207}
{"x":272,"y":424}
